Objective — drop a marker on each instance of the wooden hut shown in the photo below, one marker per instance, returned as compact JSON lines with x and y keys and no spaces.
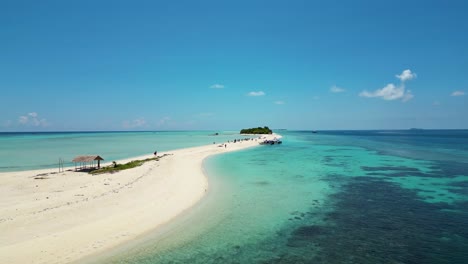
{"x":88,"y":161}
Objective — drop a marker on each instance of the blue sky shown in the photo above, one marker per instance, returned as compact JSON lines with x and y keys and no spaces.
{"x":164,"y":65}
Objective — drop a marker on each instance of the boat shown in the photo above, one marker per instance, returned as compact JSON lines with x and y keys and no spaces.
{"x":271,"y":142}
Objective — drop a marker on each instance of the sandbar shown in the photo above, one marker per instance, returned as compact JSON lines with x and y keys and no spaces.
{"x":64,"y":217}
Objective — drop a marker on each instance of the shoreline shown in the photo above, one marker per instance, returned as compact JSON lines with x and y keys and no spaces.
{"x":73,"y":215}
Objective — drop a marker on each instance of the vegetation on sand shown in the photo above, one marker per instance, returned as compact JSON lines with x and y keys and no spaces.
{"x":115,"y":167}
{"x":258,"y":130}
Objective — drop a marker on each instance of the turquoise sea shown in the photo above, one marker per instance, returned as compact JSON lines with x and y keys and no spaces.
{"x":41,"y":150}
{"x":327,"y":197}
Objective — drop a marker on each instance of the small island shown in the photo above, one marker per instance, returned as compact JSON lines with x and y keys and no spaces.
{"x":257,"y":130}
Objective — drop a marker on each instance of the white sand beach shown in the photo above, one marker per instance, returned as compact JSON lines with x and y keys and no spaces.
{"x":66,"y":216}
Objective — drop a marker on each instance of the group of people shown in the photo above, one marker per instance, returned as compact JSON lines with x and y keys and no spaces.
{"x":225,"y":145}
{"x":244,"y":139}
{"x":234,"y":141}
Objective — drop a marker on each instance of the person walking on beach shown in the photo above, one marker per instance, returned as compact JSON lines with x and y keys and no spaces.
{"x":155,"y":153}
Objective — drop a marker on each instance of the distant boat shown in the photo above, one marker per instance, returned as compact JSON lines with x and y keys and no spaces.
{"x":271,"y":142}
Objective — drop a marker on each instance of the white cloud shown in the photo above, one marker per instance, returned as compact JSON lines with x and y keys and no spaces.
{"x":336,"y":89}
{"x":406,"y":75}
{"x":23,"y":120}
{"x":217,"y":86}
{"x":139,"y":122}
{"x":458,"y":93}
{"x":393,"y":92}
{"x":32,"y":119}
{"x":279,"y":102}
{"x":390,"y":92}
{"x":259,"y":93}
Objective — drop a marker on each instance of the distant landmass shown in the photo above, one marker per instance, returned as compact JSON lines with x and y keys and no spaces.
{"x":257,"y":130}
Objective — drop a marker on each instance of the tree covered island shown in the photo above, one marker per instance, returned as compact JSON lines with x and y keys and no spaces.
{"x":257,"y":130}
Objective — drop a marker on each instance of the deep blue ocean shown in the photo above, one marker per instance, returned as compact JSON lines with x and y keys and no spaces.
{"x":328,"y":197}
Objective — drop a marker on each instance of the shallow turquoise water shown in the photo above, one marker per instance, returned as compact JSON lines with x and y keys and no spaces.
{"x":26,"y":151}
{"x":332,"y":197}
{"x":238,"y":212}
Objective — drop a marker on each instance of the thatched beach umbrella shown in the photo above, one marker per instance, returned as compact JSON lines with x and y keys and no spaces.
{"x":87,"y":159}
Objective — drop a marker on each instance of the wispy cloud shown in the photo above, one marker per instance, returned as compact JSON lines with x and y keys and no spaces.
{"x":406,"y":75}
{"x":217,"y":86}
{"x":436,"y":103}
{"x":336,"y":89}
{"x":391,"y":91}
{"x":204,"y":115}
{"x":32,"y":119}
{"x":23,"y":120}
{"x":279,"y":102}
{"x":259,"y":93}
{"x":163,"y":121}
{"x":458,"y":93}
{"x":7,"y":123}
{"x":407,"y":96}
{"x":139,"y":122}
